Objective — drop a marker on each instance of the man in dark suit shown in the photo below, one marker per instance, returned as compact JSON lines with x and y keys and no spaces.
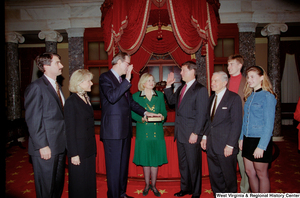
{"x":116,"y":124}
{"x":221,"y":135}
{"x":191,"y":100}
{"x":45,"y":120}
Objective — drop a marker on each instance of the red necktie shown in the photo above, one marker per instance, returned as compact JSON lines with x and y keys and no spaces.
{"x":181,"y":94}
{"x":58,"y":93}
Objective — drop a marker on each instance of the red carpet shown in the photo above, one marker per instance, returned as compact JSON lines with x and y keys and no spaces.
{"x":284,"y":174}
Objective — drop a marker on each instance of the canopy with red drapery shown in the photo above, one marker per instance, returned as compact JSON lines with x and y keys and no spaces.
{"x":173,"y":27}
{"x":183,"y":25}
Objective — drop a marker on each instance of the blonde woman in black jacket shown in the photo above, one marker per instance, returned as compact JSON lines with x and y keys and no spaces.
{"x":80,"y":134}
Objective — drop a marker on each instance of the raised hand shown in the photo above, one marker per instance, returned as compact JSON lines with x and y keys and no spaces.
{"x":170,"y":79}
{"x":128,"y":73}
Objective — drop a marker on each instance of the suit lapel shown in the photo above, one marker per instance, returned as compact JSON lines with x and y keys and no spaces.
{"x":117,"y":84}
{"x":211,"y":99}
{"x":222,"y":104}
{"x":187,"y":95}
{"x":88,"y":109}
{"x":112,"y":76}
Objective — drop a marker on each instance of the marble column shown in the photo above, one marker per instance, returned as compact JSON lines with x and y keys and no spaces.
{"x":201,"y":63}
{"x":75,"y":42}
{"x":272,"y":31}
{"x":51,"y":38}
{"x":247,"y":43}
{"x":13,"y":78}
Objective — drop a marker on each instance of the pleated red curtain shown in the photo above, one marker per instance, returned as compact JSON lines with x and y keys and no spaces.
{"x":194,"y":23}
{"x":151,"y":45}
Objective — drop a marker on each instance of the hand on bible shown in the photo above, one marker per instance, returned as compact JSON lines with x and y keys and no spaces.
{"x":161,"y":116}
{"x":148,"y":114}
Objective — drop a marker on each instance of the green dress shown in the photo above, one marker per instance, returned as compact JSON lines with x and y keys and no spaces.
{"x":150,"y":145}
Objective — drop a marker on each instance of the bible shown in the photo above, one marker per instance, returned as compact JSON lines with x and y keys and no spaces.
{"x":154,"y":119}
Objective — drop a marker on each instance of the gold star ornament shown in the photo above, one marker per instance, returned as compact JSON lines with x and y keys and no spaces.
{"x":139,"y":191}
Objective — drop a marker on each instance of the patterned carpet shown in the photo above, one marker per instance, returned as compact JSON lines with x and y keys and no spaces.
{"x":284,"y":174}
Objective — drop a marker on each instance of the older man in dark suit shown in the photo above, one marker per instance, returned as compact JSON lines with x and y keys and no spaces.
{"x":191,"y":100}
{"x":45,"y":120}
{"x":222,"y":134}
{"x":116,"y":124}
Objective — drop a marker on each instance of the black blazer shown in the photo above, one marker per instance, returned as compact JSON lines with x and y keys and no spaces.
{"x":44,"y":117}
{"x":191,"y":114}
{"x":225,"y":129}
{"x":116,"y":109}
{"x":80,"y":133}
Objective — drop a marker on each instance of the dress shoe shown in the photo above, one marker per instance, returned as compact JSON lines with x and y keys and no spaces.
{"x":156,"y":192}
{"x":182,"y":193}
{"x":145,"y":191}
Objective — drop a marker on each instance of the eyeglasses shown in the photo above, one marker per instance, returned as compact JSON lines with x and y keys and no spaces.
{"x":127,"y":62}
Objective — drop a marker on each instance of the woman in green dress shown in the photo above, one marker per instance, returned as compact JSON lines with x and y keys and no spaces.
{"x":150,"y":146}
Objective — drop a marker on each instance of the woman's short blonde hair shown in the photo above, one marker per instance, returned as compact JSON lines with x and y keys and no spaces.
{"x":77,"y":78}
{"x":143,"y":80}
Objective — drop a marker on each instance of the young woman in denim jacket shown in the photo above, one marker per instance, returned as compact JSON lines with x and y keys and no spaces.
{"x":258,"y":123}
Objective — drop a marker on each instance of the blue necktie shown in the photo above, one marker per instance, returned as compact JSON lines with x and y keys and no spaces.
{"x":120,"y":80}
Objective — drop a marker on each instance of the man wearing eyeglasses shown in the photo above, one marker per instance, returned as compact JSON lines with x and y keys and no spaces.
{"x":116,"y":124}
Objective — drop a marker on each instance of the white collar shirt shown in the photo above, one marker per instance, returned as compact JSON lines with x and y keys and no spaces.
{"x":53,"y":83}
{"x":220,"y":96}
{"x":188,"y":85}
{"x":116,"y":74}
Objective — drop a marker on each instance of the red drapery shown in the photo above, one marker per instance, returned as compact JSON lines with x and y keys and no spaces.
{"x":125,"y":25}
{"x":185,"y":32}
{"x":193,"y":23}
{"x":151,"y":44}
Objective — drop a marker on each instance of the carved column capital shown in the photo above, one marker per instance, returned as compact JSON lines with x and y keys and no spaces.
{"x":14,"y":37}
{"x":50,"y":35}
{"x":247,"y":26}
{"x":75,"y":32}
{"x":274,"y":29}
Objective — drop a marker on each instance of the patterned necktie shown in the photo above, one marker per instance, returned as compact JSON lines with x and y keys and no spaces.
{"x":59,"y":96}
{"x":181,"y":94}
{"x":214,"y":109}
